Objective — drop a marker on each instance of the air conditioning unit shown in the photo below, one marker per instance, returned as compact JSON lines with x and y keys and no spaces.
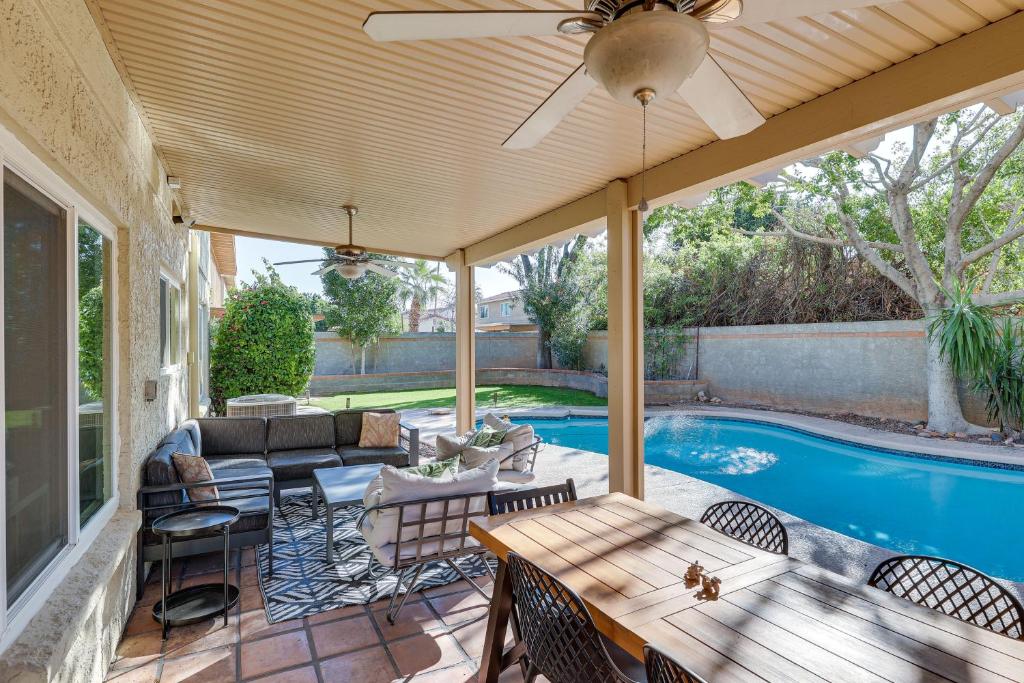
{"x":261,"y":405}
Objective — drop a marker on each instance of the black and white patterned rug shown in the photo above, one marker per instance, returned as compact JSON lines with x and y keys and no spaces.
{"x":304,"y":583}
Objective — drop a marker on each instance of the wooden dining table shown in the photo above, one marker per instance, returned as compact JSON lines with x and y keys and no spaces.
{"x":775,"y":618}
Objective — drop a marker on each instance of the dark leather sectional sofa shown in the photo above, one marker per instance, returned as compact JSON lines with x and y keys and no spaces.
{"x":253,"y":459}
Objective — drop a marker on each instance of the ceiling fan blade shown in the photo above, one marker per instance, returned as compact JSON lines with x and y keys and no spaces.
{"x":550,"y":113}
{"x":717,"y":100}
{"x":760,"y":11}
{"x":288,"y":263}
{"x":380,"y":270}
{"x":326,"y":269}
{"x":385,"y":26}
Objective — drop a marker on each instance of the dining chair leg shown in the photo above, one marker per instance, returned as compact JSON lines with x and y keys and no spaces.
{"x":497,"y":622}
{"x":393,"y":612}
{"x":468,"y":580}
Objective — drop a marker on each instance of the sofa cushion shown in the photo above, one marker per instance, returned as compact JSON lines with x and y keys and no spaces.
{"x":520,"y":436}
{"x":223,"y":436}
{"x":159,"y":471}
{"x":241,"y":460}
{"x":516,"y":477}
{"x":353,"y":455}
{"x":292,"y":432}
{"x":348,"y":424}
{"x":181,"y":439}
{"x":220,"y":471}
{"x":254,"y":509}
{"x":380,"y":430}
{"x":300,"y":463}
{"x":449,"y":445}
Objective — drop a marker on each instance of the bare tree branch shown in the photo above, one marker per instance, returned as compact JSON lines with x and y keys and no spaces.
{"x":923,"y":133}
{"x":1014,"y":232}
{"x":990,"y":277}
{"x":790,"y":231}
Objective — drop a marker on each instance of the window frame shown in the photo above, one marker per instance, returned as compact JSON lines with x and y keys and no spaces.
{"x":484,"y":311}
{"x":19,"y":159}
{"x":173,"y":283}
{"x":506,"y":309}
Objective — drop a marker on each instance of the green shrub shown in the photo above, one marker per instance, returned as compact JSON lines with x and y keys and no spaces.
{"x":263,"y":344}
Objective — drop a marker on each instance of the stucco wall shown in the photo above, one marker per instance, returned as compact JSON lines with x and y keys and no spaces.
{"x":61,"y":95}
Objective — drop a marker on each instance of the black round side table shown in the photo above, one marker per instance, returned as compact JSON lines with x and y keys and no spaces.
{"x":195,"y":603}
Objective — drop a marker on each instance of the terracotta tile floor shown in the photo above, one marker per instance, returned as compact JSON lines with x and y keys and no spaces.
{"x":439,"y":638}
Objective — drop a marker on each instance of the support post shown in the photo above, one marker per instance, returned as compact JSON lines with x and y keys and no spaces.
{"x":192,"y":356}
{"x":625,"y":344}
{"x":465,"y":342}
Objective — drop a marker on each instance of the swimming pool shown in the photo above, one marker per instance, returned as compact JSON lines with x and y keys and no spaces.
{"x":909,"y":504}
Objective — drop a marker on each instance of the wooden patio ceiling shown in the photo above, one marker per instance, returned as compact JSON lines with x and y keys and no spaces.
{"x":275,"y":113}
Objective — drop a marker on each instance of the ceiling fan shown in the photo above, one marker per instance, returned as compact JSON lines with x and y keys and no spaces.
{"x":640,"y":50}
{"x":351,"y":261}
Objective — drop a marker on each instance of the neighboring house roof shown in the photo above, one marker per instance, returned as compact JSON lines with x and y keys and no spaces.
{"x":504,"y":296}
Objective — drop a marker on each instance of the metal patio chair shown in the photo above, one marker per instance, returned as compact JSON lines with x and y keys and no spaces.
{"x":663,"y":669}
{"x":953,"y":589}
{"x":559,"y":635}
{"x":500,"y":502}
{"x":750,"y":523}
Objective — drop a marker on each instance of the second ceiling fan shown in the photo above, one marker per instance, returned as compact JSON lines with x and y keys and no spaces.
{"x":640,"y":50}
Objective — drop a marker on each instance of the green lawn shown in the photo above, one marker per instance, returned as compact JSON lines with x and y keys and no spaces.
{"x":508,"y":397}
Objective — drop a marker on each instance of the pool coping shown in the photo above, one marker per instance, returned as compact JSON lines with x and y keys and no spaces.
{"x":1005,"y":457}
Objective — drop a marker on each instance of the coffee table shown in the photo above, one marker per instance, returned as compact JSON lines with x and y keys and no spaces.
{"x":340,"y":487}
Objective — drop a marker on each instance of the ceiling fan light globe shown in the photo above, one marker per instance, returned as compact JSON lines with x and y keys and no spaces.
{"x":351,"y":271}
{"x":646,"y":51}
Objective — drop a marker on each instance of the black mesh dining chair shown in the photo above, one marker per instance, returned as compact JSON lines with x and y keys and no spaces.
{"x":750,"y":523}
{"x":663,"y":669}
{"x":561,"y":640}
{"x":500,"y":502}
{"x":953,"y":589}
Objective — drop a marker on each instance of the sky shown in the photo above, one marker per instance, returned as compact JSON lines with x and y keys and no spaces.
{"x":250,"y":252}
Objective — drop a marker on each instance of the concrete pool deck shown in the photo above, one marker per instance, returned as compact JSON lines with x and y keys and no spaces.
{"x":689,"y":497}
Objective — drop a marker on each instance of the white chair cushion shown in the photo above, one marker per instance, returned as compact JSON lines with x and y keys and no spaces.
{"x":475,"y":456}
{"x":520,"y":436}
{"x":450,"y":445}
{"x":516,"y":477}
{"x":381,"y":526}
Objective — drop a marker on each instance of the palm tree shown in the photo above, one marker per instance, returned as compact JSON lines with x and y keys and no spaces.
{"x":419,"y":284}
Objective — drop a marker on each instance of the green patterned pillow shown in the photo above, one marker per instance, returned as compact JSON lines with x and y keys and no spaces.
{"x":488,"y":437}
{"x":436,"y":468}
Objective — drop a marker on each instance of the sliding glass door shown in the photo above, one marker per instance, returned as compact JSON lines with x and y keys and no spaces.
{"x":35,"y":286}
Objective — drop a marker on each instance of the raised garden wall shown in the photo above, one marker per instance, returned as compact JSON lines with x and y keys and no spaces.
{"x":872,"y":368}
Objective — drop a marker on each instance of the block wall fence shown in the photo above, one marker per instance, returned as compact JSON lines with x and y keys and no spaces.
{"x":870,"y":368}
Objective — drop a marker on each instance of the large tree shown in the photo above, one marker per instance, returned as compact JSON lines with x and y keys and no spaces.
{"x":934,"y":216}
{"x":551,"y":294}
{"x":361,"y":310}
{"x":417,"y":285}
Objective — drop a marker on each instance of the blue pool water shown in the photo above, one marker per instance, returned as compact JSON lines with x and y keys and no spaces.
{"x":909,"y":504}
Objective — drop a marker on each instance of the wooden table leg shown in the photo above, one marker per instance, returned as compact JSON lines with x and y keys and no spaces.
{"x":497,"y":622}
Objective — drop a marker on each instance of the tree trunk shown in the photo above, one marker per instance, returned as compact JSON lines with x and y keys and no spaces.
{"x":944,"y":411}
{"x":362,"y":360}
{"x":543,"y":349}
{"x":414,"y":314}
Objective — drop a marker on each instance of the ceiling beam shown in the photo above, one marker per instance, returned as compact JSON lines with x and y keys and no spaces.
{"x":312,"y":243}
{"x":961,"y":72}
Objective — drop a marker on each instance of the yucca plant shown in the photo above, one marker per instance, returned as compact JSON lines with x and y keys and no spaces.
{"x":966,"y":332}
{"x":1003,"y":381}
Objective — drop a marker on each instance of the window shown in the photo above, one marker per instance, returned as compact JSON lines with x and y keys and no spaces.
{"x":58,"y":380}
{"x":95,"y":366}
{"x":485,"y":311}
{"x":506,"y":310}
{"x":35,"y":381}
{"x":170,"y":323}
